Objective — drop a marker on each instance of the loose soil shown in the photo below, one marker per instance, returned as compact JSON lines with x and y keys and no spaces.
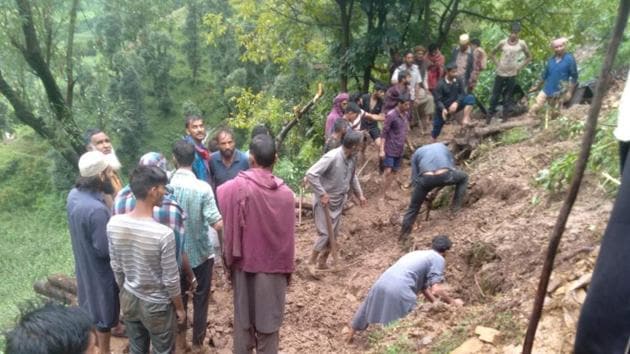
{"x":500,"y":238}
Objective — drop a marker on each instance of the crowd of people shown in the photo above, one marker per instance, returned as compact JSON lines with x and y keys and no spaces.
{"x":143,"y":250}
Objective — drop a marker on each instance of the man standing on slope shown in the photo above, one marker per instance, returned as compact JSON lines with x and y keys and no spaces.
{"x":226,"y":163}
{"x":331,"y":178}
{"x":143,"y":259}
{"x":258,"y":211}
{"x":197,"y":199}
{"x":196,"y":134}
{"x":88,"y":215}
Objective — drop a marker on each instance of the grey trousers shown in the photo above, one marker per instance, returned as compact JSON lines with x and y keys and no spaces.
{"x":147,"y":324}
{"x":259,"y":300}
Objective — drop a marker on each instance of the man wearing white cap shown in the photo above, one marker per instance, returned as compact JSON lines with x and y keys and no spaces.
{"x":97,"y":140}
{"x":463,"y":58}
{"x":87,"y":220}
{"x":559,"y":77}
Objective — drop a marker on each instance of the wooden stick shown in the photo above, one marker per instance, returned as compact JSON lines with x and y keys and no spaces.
{"x":362,"y":167}
{"x":300,"y":206}
{"x":332,"y":238}
{"x":580,"y":167}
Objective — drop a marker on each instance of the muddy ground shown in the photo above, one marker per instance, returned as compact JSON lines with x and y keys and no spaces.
{"x":500,"y":238}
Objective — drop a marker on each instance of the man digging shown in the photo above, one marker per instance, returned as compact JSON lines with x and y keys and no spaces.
{"x":331,"y":178}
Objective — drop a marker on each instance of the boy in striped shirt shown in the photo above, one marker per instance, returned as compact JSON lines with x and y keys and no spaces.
{"x":142,"y":253}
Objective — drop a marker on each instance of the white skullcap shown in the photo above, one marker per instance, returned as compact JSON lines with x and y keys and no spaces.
{"x":92,"y":163}
{"x":464,"y":39}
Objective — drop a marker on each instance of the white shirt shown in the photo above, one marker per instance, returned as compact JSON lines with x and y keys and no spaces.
{"x":622,"y":132}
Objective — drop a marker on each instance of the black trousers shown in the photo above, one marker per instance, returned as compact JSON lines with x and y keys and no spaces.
{"x":424,"y":185}
{"x":624,"y":147}
{"x":502,"y":91}
{"x":604,"y":325}
{"x":203,"y":274}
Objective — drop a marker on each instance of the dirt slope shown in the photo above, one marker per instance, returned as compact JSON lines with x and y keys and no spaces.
{"x":499,"y":241}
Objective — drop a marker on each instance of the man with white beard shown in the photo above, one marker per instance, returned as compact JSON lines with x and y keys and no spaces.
{"x":96,"y":139}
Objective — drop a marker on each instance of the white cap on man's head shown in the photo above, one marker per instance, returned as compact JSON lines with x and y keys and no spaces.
{"x":92,"y":163}
{"x":464,"y":39}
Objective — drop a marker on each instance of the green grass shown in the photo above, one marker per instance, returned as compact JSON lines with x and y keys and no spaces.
{"x":33,"y":244}
{"x":514,"y":136}
{"x":34,"y":240}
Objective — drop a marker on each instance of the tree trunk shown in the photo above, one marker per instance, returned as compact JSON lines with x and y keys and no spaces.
{"x":345,"y":16}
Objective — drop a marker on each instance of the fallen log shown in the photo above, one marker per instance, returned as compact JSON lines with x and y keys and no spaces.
{"x":43,"y":287}
{"x":467,"y":139}
{"x":63,"y":282}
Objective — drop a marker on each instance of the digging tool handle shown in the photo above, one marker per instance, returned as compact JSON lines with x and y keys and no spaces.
{"x":300,"y":206}
{"x":332,"y":238}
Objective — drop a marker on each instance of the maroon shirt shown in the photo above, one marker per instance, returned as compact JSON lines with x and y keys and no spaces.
{"x":395,"y":131}
{"x":258,"y":223}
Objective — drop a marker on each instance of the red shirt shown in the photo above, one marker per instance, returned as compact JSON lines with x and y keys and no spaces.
{"x":258,"y":212}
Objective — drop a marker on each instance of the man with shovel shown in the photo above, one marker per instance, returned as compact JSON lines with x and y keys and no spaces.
{"x":331,"y":178}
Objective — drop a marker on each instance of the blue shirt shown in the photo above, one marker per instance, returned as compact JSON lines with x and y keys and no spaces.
{"x":200,"y":164}
{"x":431,"y":157}
{"x":223,"y":173}
{"x":557,"y":72}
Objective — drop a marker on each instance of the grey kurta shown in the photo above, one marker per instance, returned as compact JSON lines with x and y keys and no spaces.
{"x":96,"y":287}
{"x":334,"y":174}
{"x":394,"y":294}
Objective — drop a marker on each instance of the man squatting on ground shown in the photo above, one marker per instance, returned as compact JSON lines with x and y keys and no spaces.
{"x":331,"y":178}
{"x":394,"y":294}
{"x":88,"y":215}
{"x":142,"y":253}
{"x":559,"y":77}
{"x":432,"y":166}
{"x":258,"y":210}
{"x":197,"y":199}
{"x":450,"y":98}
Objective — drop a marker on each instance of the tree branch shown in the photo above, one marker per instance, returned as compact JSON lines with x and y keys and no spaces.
{"x":69,"y":61}
{"x":490,"y":18}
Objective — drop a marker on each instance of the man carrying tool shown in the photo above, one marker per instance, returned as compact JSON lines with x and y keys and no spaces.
{"x":432,"y":166}
{"x":331,"y":178}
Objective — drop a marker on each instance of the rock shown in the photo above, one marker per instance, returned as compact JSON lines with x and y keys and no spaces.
{"x":426,"y":340}
{"x":351,"y":297}
{"x":487,"y":334}
{"x":472,"y":345}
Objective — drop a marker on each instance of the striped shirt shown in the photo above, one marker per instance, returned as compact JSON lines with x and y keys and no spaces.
{"x":142,"y":256}
{"x":169,"y":214}
{"x":197,"y":200}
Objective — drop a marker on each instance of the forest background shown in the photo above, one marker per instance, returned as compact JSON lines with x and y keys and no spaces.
{"x":136,"y":68}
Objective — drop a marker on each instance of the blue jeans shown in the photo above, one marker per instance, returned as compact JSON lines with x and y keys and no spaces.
{"x":424,"y":184}
{"x":438,"y":121}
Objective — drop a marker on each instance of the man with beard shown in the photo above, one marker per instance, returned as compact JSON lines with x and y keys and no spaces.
{"x":331,"y":178}
{"x":260,"y":248}
{"x":196,"y":134}
{"x":450,"y":98}
{"x":197,"y":200}
{"x":87,"y":220}
{"x":397,"y":90}
{"x":226,"y":163}
{"x":96,"y":139}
